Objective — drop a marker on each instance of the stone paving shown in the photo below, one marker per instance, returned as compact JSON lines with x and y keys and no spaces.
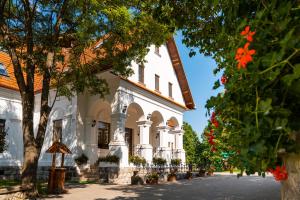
{"x":218,"y":187}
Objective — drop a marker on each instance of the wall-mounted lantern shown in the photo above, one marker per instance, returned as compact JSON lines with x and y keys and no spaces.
{"x":93,"y":123}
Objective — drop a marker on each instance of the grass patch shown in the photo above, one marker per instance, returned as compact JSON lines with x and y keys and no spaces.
{"x":9,"y":183}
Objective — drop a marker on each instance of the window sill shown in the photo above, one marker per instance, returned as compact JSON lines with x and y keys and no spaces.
{"x":157,"y":91}
{"x":158,"y":54}
{"x":141,"y":83}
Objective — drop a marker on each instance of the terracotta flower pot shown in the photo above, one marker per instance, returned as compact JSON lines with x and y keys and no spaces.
{"x":172,"y":178}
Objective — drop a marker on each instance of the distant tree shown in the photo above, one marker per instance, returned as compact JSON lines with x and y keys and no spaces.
{"x":55,"y":42}
{"x":191,"y":144}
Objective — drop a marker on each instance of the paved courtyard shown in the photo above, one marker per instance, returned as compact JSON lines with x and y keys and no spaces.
{"x":219,"y":187}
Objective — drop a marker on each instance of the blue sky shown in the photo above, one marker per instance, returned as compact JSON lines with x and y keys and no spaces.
{"x":199,"y":72}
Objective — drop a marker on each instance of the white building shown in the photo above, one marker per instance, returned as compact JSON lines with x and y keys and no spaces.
{"x":143,"y":114}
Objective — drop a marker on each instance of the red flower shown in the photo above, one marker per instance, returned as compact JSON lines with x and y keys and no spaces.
{"x":216,"y":123}
{"x":223,"y":79}
{"x":279,"y":173}
{"x":248,"y":34}
{"x":213,"y":149}
{"x":244,"y":56}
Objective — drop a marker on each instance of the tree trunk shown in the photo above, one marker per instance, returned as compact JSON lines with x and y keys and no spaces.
{"x":290,"y":189}
{"x":29,"y":171}
{"x":31,"y":150}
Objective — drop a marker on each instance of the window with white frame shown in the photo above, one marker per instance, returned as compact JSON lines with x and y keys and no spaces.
{"x":156,"y":82}
{"x":103,"y":135}
{"x":170,"y":90}
{"x":57,"y":130}
{"x":141,"y":73}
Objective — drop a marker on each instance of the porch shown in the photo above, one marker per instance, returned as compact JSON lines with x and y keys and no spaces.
{"x":125,"y":129}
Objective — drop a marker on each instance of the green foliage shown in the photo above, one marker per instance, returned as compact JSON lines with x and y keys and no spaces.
{"x":109,"y":158}
{"x":191,"y":144}
{"x":175,"y":162}
{"x":259,"y":111}
{"x":126,"y":30}
{"x":67,"y":44}
{"x":152,"y":178}
{"x":137,"y":160}
{"x":81,"y":160}
{"x":159,"y":161}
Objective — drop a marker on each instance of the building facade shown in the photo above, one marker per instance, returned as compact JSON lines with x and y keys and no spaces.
{"x":142,"y":115}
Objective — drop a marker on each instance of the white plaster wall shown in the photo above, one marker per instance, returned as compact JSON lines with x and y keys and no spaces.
{"x":93,"y":107}
{"x":11,"y":111}
{"x":150,"y":102}
{"x":66,"y":110}
{"x":162,"y":66}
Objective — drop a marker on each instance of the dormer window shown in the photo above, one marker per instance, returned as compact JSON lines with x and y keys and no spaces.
{"x":3,"y":70}
{"x":156,"y":50}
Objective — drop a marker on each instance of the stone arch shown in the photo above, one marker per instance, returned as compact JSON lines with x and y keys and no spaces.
{"x":97,"y":108}
{"x":134,"y":113}
{"x":173,"y":123}
{"x":135,"y":108}
{"x":157,"y":120}
{"x":97,"y":129}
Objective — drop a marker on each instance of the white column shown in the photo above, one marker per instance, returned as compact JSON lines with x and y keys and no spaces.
{"x":91,"y":148}
{"x":145,"y":149}
{"x":164,"y":150}
{"x":117,"y":145}
{"x":180,"y":153}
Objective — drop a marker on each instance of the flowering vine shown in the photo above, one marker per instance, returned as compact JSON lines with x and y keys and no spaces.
{"x":223,"y":79}
{"x":279,"y":173}
{"x":244,"y":55}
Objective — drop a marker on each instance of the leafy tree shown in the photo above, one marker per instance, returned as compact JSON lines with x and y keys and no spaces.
{"x":256,"y":45}
{"x":190,"y":144}
{"x":54,"y":41}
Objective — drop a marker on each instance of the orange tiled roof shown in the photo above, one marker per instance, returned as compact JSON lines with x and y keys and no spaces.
{"x":11,"y":83}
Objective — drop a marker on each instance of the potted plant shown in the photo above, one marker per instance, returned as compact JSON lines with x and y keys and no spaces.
{"x":210,"y":170}
{"x":152,"y":178}
{"x":136,"y":179}
{"x":108,"y":161}
{"x":172,"y":176}
{"x":159,"y":161}
{"x":81,"y":160}
{"x":137,"y":161}
{"x":175,"y":162}
{"x":189,"y":175}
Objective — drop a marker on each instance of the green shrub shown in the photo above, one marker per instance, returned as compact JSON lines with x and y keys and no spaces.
{"x":80,"y":160}
{"x":159,"y":161}
{"x":175,"y":162}
{"x":137,"y":160}
{"x":109,"y":158}
{"x":152,"y":178}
